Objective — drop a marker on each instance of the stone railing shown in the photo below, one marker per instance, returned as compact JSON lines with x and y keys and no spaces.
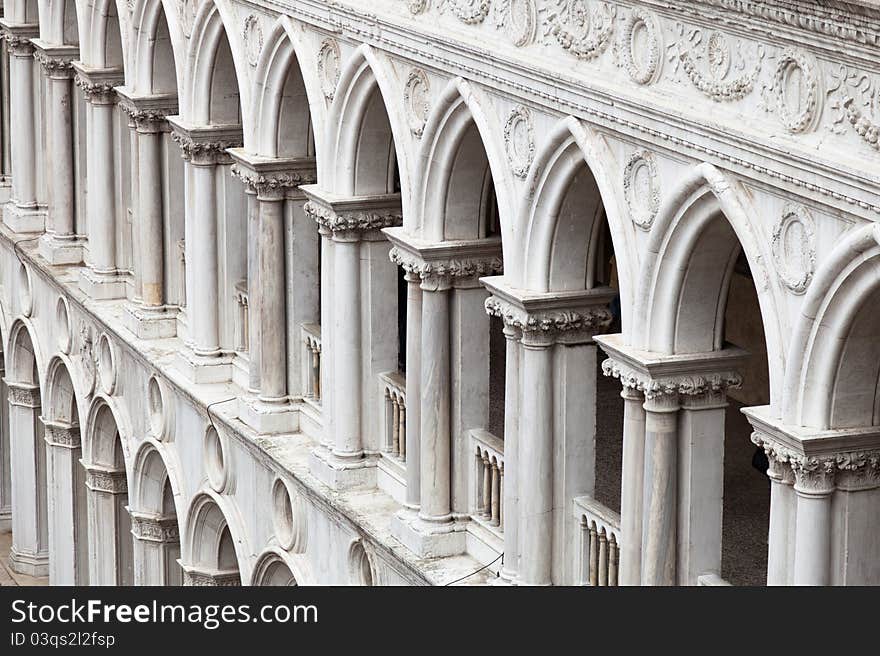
{"x":311,"y":361}
{"x":488,"y":479}
{"x":600,"y":542}
{"x":240,"y":296}
{"x":394,"y":397}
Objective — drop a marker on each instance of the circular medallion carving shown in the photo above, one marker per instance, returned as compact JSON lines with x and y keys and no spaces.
{"x":188,"y":9}
{"x":253,"y":39}
{"x":288,"y":517}
{"x":521,"y":21}
{"x":797,"y":91}
{"x":65,"y":330}
{"x":360,"y":565}
{"x":640,"y":47}
{"x":25,"y":297}
{"x":416,"y":95}
{"x":519,"y":141}
{"x":215,"y":460}
{"x":641,"y":188}
{"x":328,"y":67}
{"x":718,"y":55}
{"x":106,"y":364}
{"x":794,"y":248}
{"x":160,"y":409}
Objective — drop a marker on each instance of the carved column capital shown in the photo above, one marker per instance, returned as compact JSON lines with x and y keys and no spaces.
{"x":205,"y":145}
{"x":24,"y":395}
{"x":62,"y":435}
{"x":154,"y":528}
{"x":148,"y":114}
{"x":350,"y":221}
{"x":210,"y":578}
{"x":19,"y":38}
{"x":98,"y":85}
{"x":110,"y":481}
{"x":272,"y":178}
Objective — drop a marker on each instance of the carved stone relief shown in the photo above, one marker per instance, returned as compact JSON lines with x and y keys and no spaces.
{"x":416,"y":98}
{"x":641,"y":188}
{"x":328,"y":67}
{"x":519,"y":141}
{"x":253,"y":39}
{"x":794,"y":248}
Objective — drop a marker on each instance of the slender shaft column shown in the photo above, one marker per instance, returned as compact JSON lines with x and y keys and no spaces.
{"x":5,"y":468}
{"x":631,"y":495}
{"x":273,"y":327}
{"x":328,"y":398}
{"x":254,"y":289}
{"x":134,"y":190}
{"x":814,"y":485}
{"x":782,"y":508}
{"x":661,"y":488}
{"x":435,"y":496}
{"x":347,"y":344}
{"x":150,"y":220}
{"x":510,"y":567}
{"x":61,"y":211}
{"x":101,"y":178}
{"x":536,"y":473}
{"x":23,"y":133}
{"x":204,"y":317}
{"x":413,"y":389}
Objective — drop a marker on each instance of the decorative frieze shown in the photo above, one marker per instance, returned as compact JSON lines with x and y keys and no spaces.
{"x":687,"y":384}
{"x":641,"y":57}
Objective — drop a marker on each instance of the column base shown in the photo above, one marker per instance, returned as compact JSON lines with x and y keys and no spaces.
{"x":101,"y":286}
{"x":6,"y":520}
{"x":24,"y":219}
{"x":204,"y":370}
{"x":268,"y":419}
{"x":340,"y":474}
{"x":426,"y":539}
{"x":29,"y":564}
{"x":150,"y":324}
{"x":60,"y":251}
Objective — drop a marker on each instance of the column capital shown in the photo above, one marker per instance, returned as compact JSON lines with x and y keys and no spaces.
{"x":820,"y":460}
{"x":150,"y":527}
{"x":353,"y":218}
{"x":24,"y":395}
{"x":102,"y":479}
{"x":19,"y":37}
{"x":200,"y":577}
{"x":56,"y":60}
{"x":205,"y":145}
{"x":98,"y":85}
{"x":272,"y":178}
{"x":706,"y":375}
{"x":440,"y":265}
{"x":546,"y":318}
{"x":148,"y":113}
{"x":61,"y":434}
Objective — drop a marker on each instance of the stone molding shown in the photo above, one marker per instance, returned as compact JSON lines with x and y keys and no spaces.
{"x":154,"y":528}
{"x":351,"y":219}
{"x":545,"y":318}
{"x":439,"y":264}
{"x":110,"y":481}
{"x":56,"y":61}
{"x":98,"y":85}
{"x":272,"y":178}
{"x":656,"y":375}
{"x":205,"y":145}
{"x":149,"y":114}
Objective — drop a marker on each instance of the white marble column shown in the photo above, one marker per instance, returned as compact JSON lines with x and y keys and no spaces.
{"x":814,"y":485}
{"x":659,"y":535}
{"x":632,"y":479}
{"x":536,"y":450}
{"x":413,"y":389}
{"x":111,"y":548}
{"x":23,"y":214}
{"x":254,"y":290}
{"x":783,"y":506}
{"x":30,"y":534}
{"x":204,"y":304}
{"x":68,"y":521}
{"x":151,"y":232}
{"x":5,"y":471}
{"x":512,"y":463}
{"x":156,"y":550}
{"x":60,"y":244}
{"x":273,"y":333}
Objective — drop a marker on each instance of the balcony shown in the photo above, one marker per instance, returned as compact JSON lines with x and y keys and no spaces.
{"x":311,"y":361}
{"x":599,"y":542}
{"x":487,"y":483}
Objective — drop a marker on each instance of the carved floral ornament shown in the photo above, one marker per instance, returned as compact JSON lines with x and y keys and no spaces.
{"x":518,"y":19}
{"x":253,"y":39}
{"x":98,"y":93}
{"x":328,"y":67}
{"x":549,"y":323}
{"x":850,"y":469}
{"x":352,"y":221}
{"x":272,"y":184}
{"x":854,"y":98}
{"x":793,"y":245}
{"x":519,"y":141}
{"x":686,"y":384}
{"x":641,"y":188}
{"x":416,"y":98}
{"x":416,"y":6}
{"x":582,"y":27}
{"x":471,"y":12}
{"x":204,"y":152}
{"x":472,"y":267}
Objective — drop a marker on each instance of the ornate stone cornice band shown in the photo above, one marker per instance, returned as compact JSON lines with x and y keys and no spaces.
{"x":439,"y":265}
{"x":658,"y":375}
{"x":205,"y":145}
{"x":272,"y":178}
{"x":352,"y":219}
{"x":148,"y":114}
{"x":545,"y":318}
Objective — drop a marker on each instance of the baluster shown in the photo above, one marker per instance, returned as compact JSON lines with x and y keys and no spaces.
{"x":487,"y":486}
{"x":603,"y":559}
{"x":613,"y":554}
{"x":501,"y":498}
{"x":402,"y":447}
{"x":316,"y":372}
{"x":496,"y":508}
{"x":594,"y":555}
{"x":585,"y":551}
{"x":395,"y":423}
{"x":478,"y":483}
